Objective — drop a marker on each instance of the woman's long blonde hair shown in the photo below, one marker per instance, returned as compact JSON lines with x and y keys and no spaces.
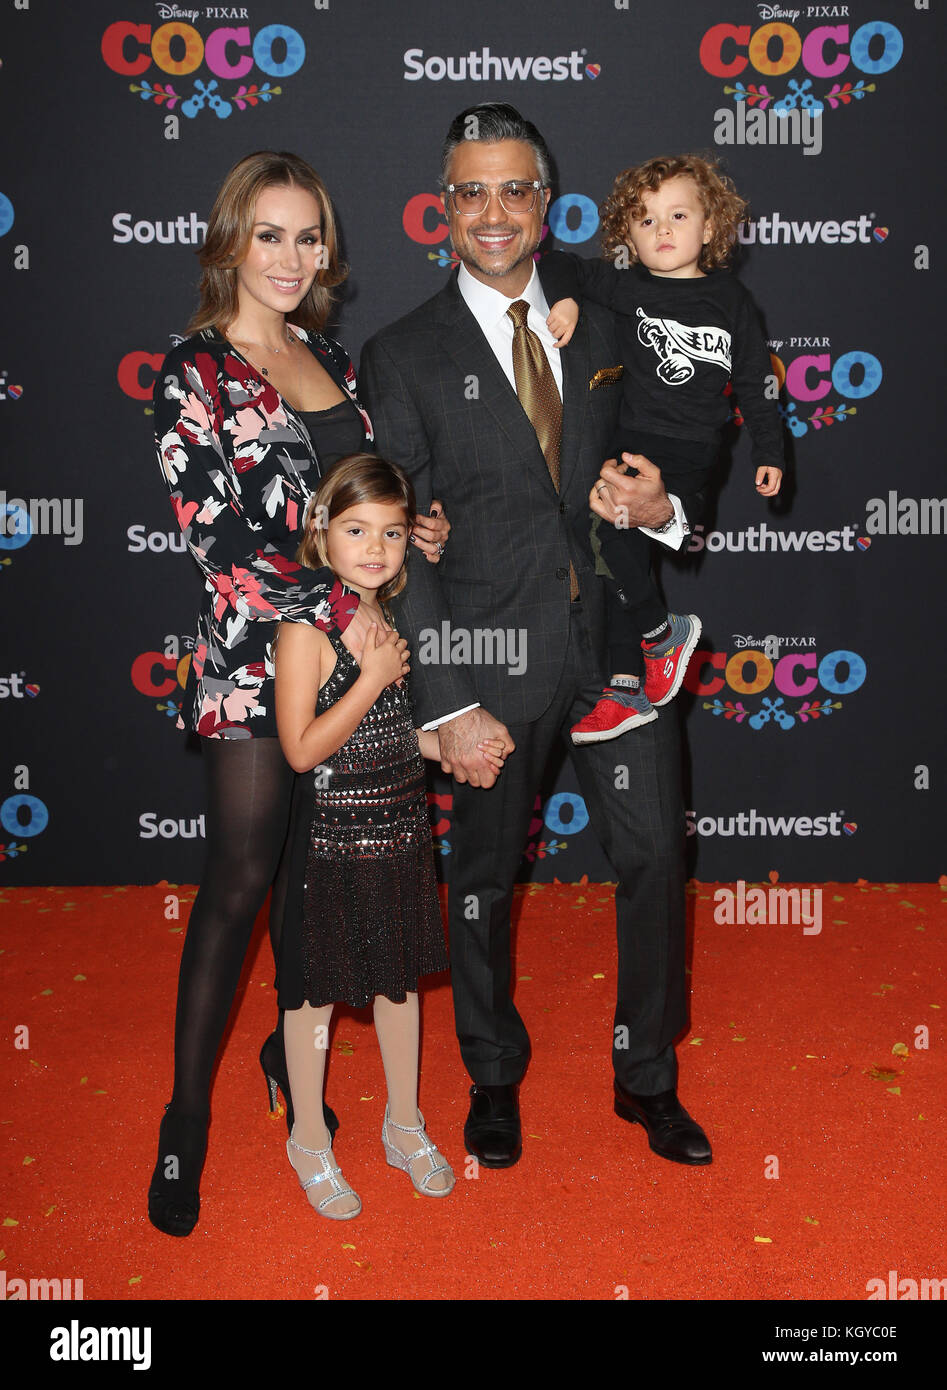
{"x":230,"y":227}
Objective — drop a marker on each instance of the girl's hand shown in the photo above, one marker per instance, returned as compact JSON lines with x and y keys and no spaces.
{"x":493,"y":752}
{"x":384,"y":658}
{"x":356,"y":631}
{"x":430,"y":533}
{"x":768,"y":480}
{"x":563,"y":317}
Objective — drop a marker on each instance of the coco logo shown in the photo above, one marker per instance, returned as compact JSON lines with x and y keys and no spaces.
{"x":564,"y":813}
{"x":797,"y":675}
{"x":824,"y":55}
{"x":22,"y":815}
{"x":572,"y":218}
{"x":810,"y":376}
{"x":136,"y":375}
{"x":178,"y":50}
{"x":160,"y":674}
{"x":7,"y":215}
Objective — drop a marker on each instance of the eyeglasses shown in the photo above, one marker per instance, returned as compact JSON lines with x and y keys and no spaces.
{"x":518,"y":195}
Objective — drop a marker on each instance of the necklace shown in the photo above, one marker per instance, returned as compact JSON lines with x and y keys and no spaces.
{"x":248,"y":342}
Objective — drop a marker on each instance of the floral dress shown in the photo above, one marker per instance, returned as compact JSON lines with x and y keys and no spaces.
{"x":240,"y":467}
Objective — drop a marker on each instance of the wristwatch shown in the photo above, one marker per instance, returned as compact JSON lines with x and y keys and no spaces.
{"x":660,"y":530}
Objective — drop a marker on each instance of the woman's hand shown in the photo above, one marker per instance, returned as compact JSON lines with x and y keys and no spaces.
{"x":430,"y":533}
{"x":384,"y":658}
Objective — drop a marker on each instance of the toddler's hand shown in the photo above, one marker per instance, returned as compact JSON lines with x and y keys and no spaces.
{"x":563,"y":317}
{"x":768,"y":480}
{"x":384,"y":658}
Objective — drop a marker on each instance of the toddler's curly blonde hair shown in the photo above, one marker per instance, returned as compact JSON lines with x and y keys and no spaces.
{"x":723,"y":206}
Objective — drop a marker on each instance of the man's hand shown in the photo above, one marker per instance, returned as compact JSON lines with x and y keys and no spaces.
{"x":460,"y":755}
{"x":628,"y":501}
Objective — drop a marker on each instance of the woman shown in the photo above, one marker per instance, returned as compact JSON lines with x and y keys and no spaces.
{"x":248,"y":412}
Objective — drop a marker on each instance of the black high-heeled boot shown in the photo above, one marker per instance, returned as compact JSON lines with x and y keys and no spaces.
{"x":273,"y":1062}
{"x":174,"y":1200}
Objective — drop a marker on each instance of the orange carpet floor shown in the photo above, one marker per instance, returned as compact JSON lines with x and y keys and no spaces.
{"x":815,"y":1062}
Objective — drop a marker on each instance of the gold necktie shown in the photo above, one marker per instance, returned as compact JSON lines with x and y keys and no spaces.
{"x":539,"y":397}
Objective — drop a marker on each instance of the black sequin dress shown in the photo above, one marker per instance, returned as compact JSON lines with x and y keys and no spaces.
{"x":362,"y":915}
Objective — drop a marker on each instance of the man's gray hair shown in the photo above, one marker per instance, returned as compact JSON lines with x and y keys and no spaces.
{"x":491,"y":122}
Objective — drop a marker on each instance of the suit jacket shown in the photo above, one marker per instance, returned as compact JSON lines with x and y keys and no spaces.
{"x":240,"y":468}
{"x":443,"y":409}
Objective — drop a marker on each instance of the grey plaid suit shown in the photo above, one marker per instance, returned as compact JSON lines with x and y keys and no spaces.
{"x":443,"y":409}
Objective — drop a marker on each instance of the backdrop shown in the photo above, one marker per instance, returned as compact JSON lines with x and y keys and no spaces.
{"x":813,"y":711}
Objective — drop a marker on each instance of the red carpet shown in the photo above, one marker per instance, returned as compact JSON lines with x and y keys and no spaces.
{"x":794,"y":1064}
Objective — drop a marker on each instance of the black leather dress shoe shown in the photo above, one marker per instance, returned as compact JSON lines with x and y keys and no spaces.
{"x":492,"y":1130}
{"x":671,"y":1131}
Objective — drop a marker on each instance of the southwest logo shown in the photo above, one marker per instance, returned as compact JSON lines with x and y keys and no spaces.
{"x":484,"y":66}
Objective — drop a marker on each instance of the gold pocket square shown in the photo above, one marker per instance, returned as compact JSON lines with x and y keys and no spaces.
{"x":605,"y":376}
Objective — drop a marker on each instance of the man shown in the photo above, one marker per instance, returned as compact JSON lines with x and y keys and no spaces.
{"x":469,"y":395}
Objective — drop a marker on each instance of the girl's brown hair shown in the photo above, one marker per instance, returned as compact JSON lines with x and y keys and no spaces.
{"x":723,"y":206}
{"x":230,"y":227}
{"x":349,"y":482}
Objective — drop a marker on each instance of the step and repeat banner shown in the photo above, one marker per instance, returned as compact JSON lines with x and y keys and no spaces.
{"x":812,"y":712}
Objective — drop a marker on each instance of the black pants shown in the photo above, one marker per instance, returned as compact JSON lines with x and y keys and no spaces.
{"x":633,"y":604}
{"x":637,"y":814}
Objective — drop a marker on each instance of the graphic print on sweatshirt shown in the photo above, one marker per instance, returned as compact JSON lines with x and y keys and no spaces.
{"x":678,"y":346}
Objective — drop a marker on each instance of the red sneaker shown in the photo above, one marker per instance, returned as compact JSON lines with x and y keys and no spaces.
{"x":619,"y":711}
{"x":665,"y":663}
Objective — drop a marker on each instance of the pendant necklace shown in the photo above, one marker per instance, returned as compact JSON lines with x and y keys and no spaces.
{"x":248,"y":342}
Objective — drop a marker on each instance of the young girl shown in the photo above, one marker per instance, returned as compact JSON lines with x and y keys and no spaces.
{"x":362,"y":921}
{"x":686,"y":330}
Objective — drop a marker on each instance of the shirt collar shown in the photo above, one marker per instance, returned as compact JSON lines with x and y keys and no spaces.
{"x":489,"y":306}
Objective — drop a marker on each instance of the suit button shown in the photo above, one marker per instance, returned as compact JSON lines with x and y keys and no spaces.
{"x":562,"y":573}
{"x":563,"y":507}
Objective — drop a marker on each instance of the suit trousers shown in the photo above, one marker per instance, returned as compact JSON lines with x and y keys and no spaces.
{"x":632,"y":790}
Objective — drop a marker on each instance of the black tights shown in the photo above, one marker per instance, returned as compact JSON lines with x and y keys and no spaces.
{"x":249,"y":788}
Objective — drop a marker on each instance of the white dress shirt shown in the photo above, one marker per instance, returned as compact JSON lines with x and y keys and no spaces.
{"x":489,"y":307}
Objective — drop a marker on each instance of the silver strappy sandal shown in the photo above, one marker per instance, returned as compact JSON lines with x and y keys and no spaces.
{"x":331,"y":1173}
{"x":427,"y":1150}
